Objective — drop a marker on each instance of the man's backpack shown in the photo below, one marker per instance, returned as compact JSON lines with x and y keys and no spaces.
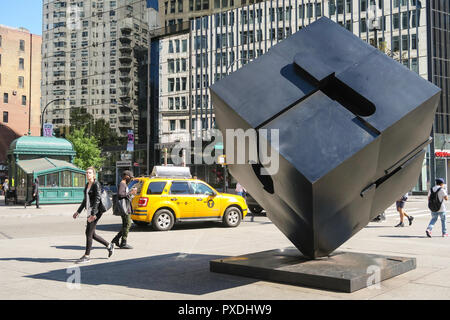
{"x":433,"y":201}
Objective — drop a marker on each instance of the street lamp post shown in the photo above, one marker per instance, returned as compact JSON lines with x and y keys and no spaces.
{"x":134,"y":137}
{"x":45,"y":108}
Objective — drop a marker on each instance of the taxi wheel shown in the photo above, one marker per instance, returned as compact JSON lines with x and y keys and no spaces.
{"x":232,"y":217}
{"x":163,"y":220}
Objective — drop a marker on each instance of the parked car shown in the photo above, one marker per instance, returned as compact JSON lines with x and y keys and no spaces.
{"x":253,"y":205}
{"x":162,"y":202}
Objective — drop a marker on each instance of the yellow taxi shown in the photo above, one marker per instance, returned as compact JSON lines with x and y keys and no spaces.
{"x":166,"y":199}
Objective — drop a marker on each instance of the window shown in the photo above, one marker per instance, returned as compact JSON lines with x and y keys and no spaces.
{"x":21,"y":63}
{"x":171,"y":84}
{"x":66,"y":179}
{"x":170,"y":103}
{"x":5,"y":116}
{"x":24,"y":100}
{"x":414,"y":41}
{"x":79,"y":180}
{"x":180,"y":188}
{"x":22,"y":45}
{"x":395,"y":43}
{"x":405,"y":42}
{"x":52,"y":180}
{"x":5,"y":97}
{"x":183,"y":124}
{"x":170,"y":46}
{"x":156,"y":187}
{"x":172,"y":125}
{"x":200,"y":188}
{"x":0,"y":41}
{"x":21,"y":82}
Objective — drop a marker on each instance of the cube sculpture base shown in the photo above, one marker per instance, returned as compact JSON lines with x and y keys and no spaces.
{"x":341,"y":271}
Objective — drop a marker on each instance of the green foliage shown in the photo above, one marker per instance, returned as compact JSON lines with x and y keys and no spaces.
{"x":87,"y":149}
{"x":100,"y":129}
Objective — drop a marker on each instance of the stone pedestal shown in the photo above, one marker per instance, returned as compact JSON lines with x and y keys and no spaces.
{"x":341,"y":271}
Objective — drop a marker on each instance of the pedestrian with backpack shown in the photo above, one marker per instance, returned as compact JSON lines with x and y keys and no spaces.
{"x":125,"y":196}
{"x":94,"y":208}
{"x":400,"y":203}
{"x":436,"y":204}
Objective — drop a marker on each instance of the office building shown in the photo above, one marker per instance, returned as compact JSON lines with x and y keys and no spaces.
{"x":413,"y":32}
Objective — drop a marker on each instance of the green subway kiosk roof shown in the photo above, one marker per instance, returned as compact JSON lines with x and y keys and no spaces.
{"x":44,"y":165}
{"x":41,"y":146}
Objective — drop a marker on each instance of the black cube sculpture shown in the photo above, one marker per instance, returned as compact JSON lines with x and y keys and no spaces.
{"x":353,"y":127}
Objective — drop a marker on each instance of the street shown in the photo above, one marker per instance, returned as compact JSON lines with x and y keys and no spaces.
{"x":39,"y":247}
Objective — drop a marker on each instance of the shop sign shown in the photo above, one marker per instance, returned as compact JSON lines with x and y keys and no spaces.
{"x":442,"y":154}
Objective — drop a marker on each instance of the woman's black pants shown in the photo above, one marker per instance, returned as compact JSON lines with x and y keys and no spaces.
{"x":91,"y":235}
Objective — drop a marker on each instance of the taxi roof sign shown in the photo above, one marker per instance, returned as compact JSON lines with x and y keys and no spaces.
{"x":171,"y":172}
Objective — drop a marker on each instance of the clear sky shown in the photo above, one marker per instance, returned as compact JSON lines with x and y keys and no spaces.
{"x":22,"y":13}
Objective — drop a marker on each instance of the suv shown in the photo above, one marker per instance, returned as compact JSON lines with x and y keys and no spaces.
{"x":254,"y":206}
{"x":166,"y":201}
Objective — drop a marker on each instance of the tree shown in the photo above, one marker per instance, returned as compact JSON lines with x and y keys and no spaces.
{"x":87,"y":149}
{"x":100,"y":129}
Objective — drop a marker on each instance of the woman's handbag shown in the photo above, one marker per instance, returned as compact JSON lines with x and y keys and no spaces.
{"x":105,"y":200}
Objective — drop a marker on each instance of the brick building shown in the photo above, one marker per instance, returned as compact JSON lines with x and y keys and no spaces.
{"x":20,"y":86}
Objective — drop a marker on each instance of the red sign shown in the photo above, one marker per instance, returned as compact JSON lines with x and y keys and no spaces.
{"x":442,"y":154}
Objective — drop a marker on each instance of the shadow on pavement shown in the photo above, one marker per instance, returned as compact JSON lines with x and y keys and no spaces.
{"x":400,"y":236}
{"x":176,"y":272}
{"x":39,"y":260}
{"x":80,"y":248}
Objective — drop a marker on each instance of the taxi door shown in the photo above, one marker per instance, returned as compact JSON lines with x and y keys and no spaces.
{"x":182,"y":197}
{"x":207,"y":203}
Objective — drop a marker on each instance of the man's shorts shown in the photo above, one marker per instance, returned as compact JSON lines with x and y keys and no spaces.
{"x":400,"y":204}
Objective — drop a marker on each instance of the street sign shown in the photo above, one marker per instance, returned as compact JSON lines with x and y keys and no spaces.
{"x":130,"y":144}
{"x":123,"y":163}
{"x":48,"y":130}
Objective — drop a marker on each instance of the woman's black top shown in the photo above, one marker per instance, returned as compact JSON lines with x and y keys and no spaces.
{"x":94,"y":199}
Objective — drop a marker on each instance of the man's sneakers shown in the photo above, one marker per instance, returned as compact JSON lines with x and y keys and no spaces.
{"x":428,"y":232}
{"x":445,"y":235}
{"x":400,"y":225}
{"x":410,"y":219}
{"x":110,"y":249}
{"x":84,"y":259}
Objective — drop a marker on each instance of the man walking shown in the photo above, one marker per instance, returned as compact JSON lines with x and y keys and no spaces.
{"x":400,"y":203}
{"x":124,"y":193}
{"x":438,"y":191}
{"x":35,"y":194}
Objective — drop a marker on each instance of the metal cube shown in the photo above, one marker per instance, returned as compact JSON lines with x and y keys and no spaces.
{"x":353,"y":127}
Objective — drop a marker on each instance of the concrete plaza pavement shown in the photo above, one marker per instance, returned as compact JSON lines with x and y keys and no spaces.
{"x":38,"y":249}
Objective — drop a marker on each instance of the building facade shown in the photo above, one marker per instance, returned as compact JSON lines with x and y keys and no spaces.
{"x":20,"y":94}
{"x":413,"y":32}
{"x":94,"y":56}
{"x":177,"y":11}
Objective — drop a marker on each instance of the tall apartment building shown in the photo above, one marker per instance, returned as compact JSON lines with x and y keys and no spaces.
{"x":20,"y":94}
{"x":95,"y":55}
{"x":416,"y":33}
{"x":177,"y":11}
